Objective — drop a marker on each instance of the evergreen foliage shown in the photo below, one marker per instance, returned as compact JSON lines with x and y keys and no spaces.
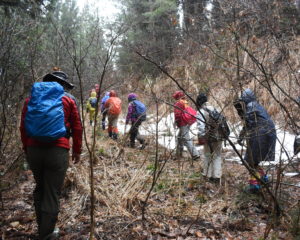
{"x":153,"y":30}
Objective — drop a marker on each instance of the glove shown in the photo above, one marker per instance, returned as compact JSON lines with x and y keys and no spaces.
{"x":202,"y":141}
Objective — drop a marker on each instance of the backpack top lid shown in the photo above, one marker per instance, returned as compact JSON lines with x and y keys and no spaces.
{"x":42,"y":93}
{"x":44,"y":118}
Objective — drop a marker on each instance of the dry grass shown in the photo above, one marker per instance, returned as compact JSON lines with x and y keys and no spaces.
{"x":117,"y":182}
{"x":123,"y":176}
{"x":200,"y":68}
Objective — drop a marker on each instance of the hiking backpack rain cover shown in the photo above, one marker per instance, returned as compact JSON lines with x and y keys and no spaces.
{"x":44,"y":119}
{"x":140,"y":110}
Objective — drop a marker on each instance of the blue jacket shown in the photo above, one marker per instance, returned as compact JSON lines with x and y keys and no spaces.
{"x":259,"y":130}
{"x":103,"y":101}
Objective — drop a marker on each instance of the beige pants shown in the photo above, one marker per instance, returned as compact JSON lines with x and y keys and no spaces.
{"x":212,"y":164}
{"x":112,"y":123}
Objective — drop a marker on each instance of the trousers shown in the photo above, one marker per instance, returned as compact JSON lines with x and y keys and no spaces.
{"x":184,"y":139}
{"x":49,"y":166}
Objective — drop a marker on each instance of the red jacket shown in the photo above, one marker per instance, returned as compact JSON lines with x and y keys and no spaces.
{"x":72,"y":122}
{"x":181,"y":104}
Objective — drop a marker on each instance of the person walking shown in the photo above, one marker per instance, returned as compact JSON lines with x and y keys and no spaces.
{"x":259,"y":133}
{"x":103,"y":110}
{"x":49,"y":118}
{"x":136,"y":115}
{"x":297,"y":131}
{"x":113,"y":108}
{"x":91,"y":106}
{"x":209,"y":136}
{"x":184,"y":119}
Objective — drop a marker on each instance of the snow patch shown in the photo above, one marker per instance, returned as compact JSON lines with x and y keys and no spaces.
{"x":167,"y":137}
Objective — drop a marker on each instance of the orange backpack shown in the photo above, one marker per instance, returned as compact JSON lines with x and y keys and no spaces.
{"x":114,"y":105}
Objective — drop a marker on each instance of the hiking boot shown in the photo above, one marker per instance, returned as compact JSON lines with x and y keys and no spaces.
{"x":143,"y":144}
{"x":47,"y":226}
{"x":53,"y":236}
{"x":132,"y":145}
{"x":179,"y":152}
{"x":252,"y":189}
{"x":196,"y":158}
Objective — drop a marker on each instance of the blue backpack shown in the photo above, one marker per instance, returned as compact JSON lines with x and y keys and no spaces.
{"x":93,"y":102}
{"x":140,"y":110}
{"x":44,"y":119}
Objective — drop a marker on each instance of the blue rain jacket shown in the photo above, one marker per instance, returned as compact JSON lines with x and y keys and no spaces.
{"x":260,"y":131}
{"x":103,"y":101}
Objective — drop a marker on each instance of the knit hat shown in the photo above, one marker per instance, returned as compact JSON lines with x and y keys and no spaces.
{"x":132,"y":96}
{"x":201,"y":99}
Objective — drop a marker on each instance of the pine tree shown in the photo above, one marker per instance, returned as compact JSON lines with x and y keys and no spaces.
{"x":154,"y":31}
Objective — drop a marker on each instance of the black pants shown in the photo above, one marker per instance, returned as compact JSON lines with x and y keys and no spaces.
{"x":134,"y":133}
{"x":104,"y":113}
{"x":49,"y":166}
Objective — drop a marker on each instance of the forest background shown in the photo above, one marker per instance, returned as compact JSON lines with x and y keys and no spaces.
{"x":154,"y":47}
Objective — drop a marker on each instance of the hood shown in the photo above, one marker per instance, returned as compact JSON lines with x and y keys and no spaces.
{"x":112,"y":93}
{"x":248,"y":96}
{"x":93,"y":94}
{"x":131,"y":97}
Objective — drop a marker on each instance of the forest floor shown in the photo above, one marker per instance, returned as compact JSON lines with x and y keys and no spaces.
{"x":182,"y":205}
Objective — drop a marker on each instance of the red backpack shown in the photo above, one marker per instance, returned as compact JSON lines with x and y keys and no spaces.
{"x":189,"y":115}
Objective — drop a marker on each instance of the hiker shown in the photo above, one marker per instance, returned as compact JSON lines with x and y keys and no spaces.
{"x":297,"y":144}
{"x":259,"y":133}
{"x":103,"y":110}
{"x":97,"y":89}
{"x":210,"y":135}
{"x":91,"y":106}
{"x":49,"y":118}
{"x":184,"y":121}
{"x":136,"y":115}
{"x":297,"y":137}
{"x":113,"y":108}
